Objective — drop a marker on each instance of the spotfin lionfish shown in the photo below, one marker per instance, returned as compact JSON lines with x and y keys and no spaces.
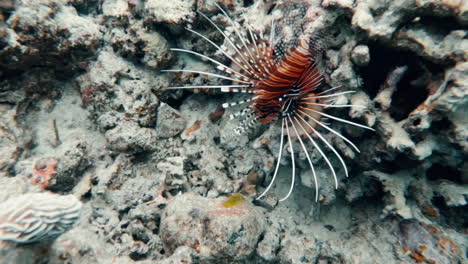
{"x":283,"y":86}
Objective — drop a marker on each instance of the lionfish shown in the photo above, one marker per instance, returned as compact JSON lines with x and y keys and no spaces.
{"x":282,"y":87}
{"x":35,"y":217}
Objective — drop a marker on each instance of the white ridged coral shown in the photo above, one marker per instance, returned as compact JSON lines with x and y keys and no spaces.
{"x":34,"y":217}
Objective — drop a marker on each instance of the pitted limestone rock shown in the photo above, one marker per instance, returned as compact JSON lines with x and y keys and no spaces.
{"x":222,"y":228}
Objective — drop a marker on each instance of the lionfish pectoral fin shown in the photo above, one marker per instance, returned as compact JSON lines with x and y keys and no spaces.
{"x":278,"y":161}
{"x":293,"y":163}
{"x":326,"y":143}
{"x":306,"y":152}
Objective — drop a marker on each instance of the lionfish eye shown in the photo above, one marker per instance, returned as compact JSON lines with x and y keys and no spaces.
{"x":260,"y":68}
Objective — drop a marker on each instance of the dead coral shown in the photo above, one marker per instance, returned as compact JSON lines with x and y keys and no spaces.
{"x":44,"y":33}
{"x":215,"y":231}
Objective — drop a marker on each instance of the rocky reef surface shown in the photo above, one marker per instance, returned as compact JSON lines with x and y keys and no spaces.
{"x":163,"y":178}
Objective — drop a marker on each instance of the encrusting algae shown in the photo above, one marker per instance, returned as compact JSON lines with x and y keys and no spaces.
{"x":234,"y":200}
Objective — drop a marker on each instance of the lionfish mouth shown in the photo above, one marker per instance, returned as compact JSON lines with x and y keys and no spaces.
{"x":282,"y":86}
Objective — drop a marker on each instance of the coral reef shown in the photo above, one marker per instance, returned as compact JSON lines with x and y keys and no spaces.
{"x":161,"y":176}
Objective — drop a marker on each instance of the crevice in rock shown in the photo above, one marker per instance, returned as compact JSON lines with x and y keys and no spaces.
{"x":440,"y":25}
{"x":442,"y":172}
{"x":411,"y":89}
{"x":248,"y":3}
{"x":452,"y":217}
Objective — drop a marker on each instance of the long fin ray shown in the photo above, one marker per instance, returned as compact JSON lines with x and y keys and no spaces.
{"x":326,"y":143}
{"x":331,"y":130}
{"x":277,"y":163}
{"x":308,"y":159}
{"x":227,"y":69}
{"x":338,"y":119}
{"x":323,"y":155}
{"x":219,"y":48}
{"x":247,"y":64}
{"x":209,"y":74}
{"x":293,"y":177}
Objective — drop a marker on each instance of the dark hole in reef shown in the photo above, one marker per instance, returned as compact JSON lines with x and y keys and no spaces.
{"x":140,"y":53}
{"x":416,"y":122}
{"x":404,"y":162}
{"x":142,"y":157}
{"x":6,"y":12}
{"x":121,"y":109}
{"x":10,"y":74}
{"x":176,"y":102}
{"x":378,"y":105}
{"x":137,"y":237}
{"x":157,"y":219}
{"x":441,"y":172}
{"x":408,"y":95}
{"x":165,"y":194}
{"x":189,"y":166}
{"x":176,"y":191}
{"x":87,"y":196}
{"x":443,"y":124}
{"x":123,"y":212}
{"x":454,"y":217}
{"x":137,"y":256}
{"x":372,"y":196}
{"x":439,"y":25}
{"x":87,"y":7}
{"x":248,"y":3}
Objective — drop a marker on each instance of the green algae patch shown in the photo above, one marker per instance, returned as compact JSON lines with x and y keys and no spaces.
{"x":234,"y":200}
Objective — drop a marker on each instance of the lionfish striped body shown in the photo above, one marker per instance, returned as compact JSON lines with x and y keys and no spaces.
{"x":281,"y":87}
